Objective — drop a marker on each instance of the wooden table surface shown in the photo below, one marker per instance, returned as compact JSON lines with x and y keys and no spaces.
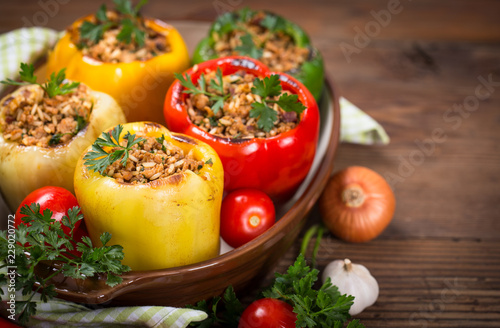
{"x":421,"y":69}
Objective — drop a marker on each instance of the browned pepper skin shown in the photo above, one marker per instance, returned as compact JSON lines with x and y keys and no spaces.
{"x":165,"y":223}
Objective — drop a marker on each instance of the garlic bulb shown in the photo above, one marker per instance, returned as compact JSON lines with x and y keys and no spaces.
{"x":353,"y":279}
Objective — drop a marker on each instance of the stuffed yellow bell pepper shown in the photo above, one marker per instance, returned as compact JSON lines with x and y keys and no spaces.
{"x":44,"y":128}
{"x":158,"y":193}
{"x":124,"y":55}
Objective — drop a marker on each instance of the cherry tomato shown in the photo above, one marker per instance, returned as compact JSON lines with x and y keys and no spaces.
{"x":7,"y":323}
{"x":59,"y":201}
{"x":245,"y":214}
{"x":268,"y":313}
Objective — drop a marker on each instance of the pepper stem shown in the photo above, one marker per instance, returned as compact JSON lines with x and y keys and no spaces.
{"x":353,"y":195}
{"x":347,"y":265}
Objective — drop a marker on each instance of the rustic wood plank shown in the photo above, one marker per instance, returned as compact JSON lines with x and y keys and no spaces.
{"x":424,"y":282}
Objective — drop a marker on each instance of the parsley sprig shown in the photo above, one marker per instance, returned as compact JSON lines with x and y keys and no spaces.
{"x":54,"y":86}
{"x":248,"y":47}
{"x":217,"y":84}
{"x":41,"y":238}
{"x":267,"y":88}
{"x":98,"y":159}
{"x":132,"y":28}
{"x":323,"y":307}
{"x":224,"y":311}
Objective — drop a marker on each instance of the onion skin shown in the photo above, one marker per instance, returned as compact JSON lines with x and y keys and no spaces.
{"x":357,"y":204}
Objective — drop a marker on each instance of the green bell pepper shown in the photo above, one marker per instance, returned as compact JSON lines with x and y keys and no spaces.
{"x":310,"y":73}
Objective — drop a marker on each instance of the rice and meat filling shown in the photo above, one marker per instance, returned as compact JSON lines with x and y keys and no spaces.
{"x":110,"y":49}
{"x":279,"y":51}
{"x":31,"y":118}
{"x":152,"y":159}
{"x":233,"y":120}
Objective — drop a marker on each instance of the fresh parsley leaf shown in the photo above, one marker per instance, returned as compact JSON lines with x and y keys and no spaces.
{"x":55,"y":139}
{"x":213,"y":122}
{"x":129,"y":30}
{"x":273,"y":23}
{"x":98,"y":159}
{"x":80,"y":123}
{"x":124,"y":7}
{"x":245,"y":14}
{"x":225,"y":311}
{"x":41,"y":238}
{"x":131,"y":25}
{"x":53,"y":86}
{"x":248,"y":47}
{"x":188,"y":84}
{"x":101,"y":13}
{"x":266,"y":116}
{"x":138,"y":7}
{"x":209,"y":161}
{"x":161,"y":140}
{"x":225,"y":23}
{"x":291,"y":103}
{"x":217,"y":83}
{"x":268,"y":87}
{"x":93,"y":32}
{"x":27,"y":73}
{"x":217,"y":99}
{"x":323,"y":307}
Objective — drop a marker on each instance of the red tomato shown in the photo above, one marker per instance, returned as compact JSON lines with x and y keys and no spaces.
{"x":59,"y":201}
{"x":268,"y":313}
{"x":7,"y":323}
{"x":245,"y":214}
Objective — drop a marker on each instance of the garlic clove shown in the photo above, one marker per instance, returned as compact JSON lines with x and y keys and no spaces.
{"x":353,"y":279}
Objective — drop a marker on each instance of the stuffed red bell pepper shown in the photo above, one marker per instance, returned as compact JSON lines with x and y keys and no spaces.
{"x":264,"y":125}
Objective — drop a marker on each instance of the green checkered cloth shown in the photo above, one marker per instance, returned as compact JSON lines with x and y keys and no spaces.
{"x":28,"y":44}
{"x":60,"y":313}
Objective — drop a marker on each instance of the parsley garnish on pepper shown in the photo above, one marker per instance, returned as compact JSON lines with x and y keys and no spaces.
{"x":54,"y":86}
{"x":248,"y":47}
{"x":98,"y":159}
{"x":267,"y":88}
{"x":41,"y":238}
{"x":217,"y":84}
{"x":130,"y":22}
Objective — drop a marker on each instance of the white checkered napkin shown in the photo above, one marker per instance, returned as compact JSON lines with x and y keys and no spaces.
{"x":65,"y":314}
{"x":24,"y":45}
{"x":60,"y":313}
{"x":358,"y":127}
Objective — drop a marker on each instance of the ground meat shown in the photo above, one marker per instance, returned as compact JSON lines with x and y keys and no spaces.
{"x":31,"y":118}
{"x":233,"y":120}
{"x":111,"y":50}
{"x":279,"y":50}
{"x":152,"y":159}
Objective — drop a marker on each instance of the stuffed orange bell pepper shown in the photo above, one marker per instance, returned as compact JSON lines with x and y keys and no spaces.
{"x":158,"y":193}
{"x":44,"y":128}
{"x":124,"y":55}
